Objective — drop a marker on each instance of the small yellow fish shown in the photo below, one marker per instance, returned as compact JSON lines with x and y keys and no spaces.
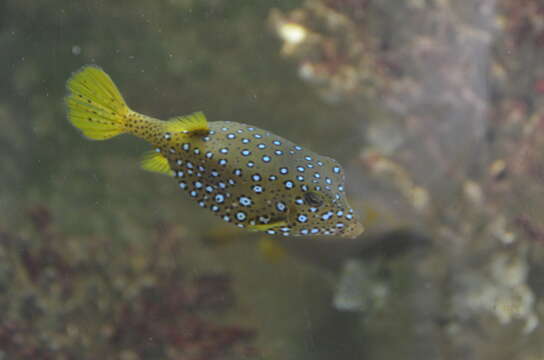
{"x":247,"y":176}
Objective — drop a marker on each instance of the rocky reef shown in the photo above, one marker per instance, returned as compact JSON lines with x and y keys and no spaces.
{"x":452,"y":152}
{"x":70,"y":299}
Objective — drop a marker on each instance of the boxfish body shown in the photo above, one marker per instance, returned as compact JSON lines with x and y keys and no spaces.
{"x":247,"y":176}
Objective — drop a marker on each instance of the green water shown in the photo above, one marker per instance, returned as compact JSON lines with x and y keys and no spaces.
{"x":433,"y":107}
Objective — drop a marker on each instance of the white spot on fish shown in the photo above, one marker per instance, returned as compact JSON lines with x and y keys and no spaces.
{"x":241,"y":216}
{"x":245,"y":201}
{"x":327,"y":215}
{"x":280,"y":206}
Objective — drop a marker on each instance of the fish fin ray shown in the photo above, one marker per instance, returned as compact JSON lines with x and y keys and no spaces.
{"x":155,"y":162}
{"x":95,"y":105}
{"x":191,"y":124}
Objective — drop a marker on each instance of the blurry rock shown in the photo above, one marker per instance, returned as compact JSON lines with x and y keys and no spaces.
{"x":456,"y":153}
{"x":359,"y":288}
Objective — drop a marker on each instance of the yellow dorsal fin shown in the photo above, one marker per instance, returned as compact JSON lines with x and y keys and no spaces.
{"x":194,"y":123}
{"x":264,"y":227}
{"x":154,"y":161}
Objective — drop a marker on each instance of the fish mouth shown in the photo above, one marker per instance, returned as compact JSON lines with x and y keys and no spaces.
{"x":354,"y":230}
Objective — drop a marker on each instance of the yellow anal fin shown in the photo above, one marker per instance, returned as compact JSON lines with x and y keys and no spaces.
{"x":264,"y":227}
{"x":271,"y":249}
{"x":193,"y":124}
{"x":154,"y":161}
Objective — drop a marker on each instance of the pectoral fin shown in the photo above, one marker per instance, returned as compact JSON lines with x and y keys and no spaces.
{"x":269,"y":226}
{"x":154,"y":161}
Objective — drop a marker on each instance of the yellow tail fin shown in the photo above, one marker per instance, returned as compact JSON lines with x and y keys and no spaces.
{"x":95,"y":105}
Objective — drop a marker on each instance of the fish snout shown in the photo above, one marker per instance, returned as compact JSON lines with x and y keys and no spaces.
{"x":354,"y":229}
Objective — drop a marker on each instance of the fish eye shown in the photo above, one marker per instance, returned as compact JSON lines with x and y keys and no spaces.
{"x":313,"y":199}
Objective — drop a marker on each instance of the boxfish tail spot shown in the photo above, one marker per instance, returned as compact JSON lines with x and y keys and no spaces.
{"x":95,"y":105}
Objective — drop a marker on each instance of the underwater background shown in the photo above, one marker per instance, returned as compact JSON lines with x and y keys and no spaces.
{"x":435,"y":108}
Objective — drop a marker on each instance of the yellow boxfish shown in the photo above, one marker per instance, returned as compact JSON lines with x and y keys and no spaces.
{"x":247,"y":176}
